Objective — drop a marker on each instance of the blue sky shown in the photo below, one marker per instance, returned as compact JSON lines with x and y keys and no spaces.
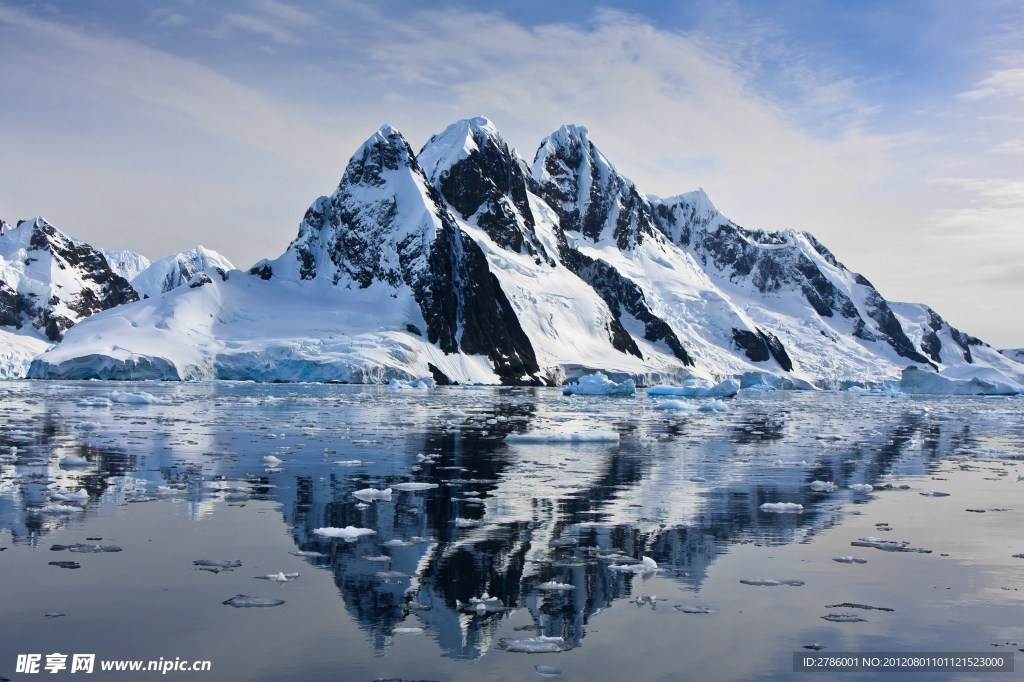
{"x":892,"y":131}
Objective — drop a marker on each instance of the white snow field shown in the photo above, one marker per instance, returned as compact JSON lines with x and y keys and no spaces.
{"x":467,"y":264}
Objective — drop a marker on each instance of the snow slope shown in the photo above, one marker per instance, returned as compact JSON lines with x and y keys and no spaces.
{"x":128,"y":264}
{"x":468,"y":264}
{"x":177,"y":270}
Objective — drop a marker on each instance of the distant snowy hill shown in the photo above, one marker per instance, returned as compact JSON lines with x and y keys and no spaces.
{"x":174,"y":271}
{"x":128,"y":264}
{"x":470,"y":264}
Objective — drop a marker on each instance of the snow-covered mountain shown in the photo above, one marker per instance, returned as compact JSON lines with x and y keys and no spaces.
{"x":470,"y":264}
{"x":174,"y":271}
{"x":128,"y":264}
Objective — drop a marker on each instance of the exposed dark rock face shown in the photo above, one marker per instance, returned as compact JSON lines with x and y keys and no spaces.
{"x":488,"y":187}
{"x":761,"y":345}
{"x":889,"y":326}
{"x":623,"y":295}
{"x":98,"y":286}
{"x":440,"y":377}
{"x":402,"y":235}
{"x":932,"y":344}
{"x":586,"y":191}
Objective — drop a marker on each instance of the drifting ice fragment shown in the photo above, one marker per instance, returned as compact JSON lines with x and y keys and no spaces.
{"x":935,"y":493}
{"x":348,"y":533}
{"x":279,"y":577}
{"x":534,"y":645}
{"x":407,"y":631}
{"x":648,"y":565}
{"x":467,"y":523}
{"x":89,"y":426}
{"x":368,"y":494}
{"x":850,"y":560}
{"x":414,"y":486}
{"x":60,"y":509}
{"x":782,"y":507}
{"x":861,"y":488}
{"x":675,"y":405}
{"x":270,"y":460}
{"x":698,"y":479}
{"x":848,"y":605}
{"x":74,"y":461}
{"x":240,"y":601}
{"x":713,"y":406}
{"x":398,"y":543}
{"x":137,"y":398}
{"x":547,"y":670}
{"x":307,"y":554}
{"x":219,"y":563}
{"x":844,"y":618}
{"x":382,"y":558}
{"x":772,"y":583}
{"x":578,"y":437}
{"x":686,"y":608}
{"x":698,"y":388}
{"x":599,"y":384}
{"x":349,"y":462}
{"x":824,"y":486}
{"x":555,"y":587}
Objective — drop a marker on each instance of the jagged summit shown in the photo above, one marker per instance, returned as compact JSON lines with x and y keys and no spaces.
{"x":178,"y":270}
{"x":469,"y":264}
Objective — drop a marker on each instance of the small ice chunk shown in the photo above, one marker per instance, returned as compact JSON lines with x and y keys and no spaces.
{"x":407,"y":631}
{"x":686,"y":608}
{"x":576,"y":437}
{"x":65,"y":564}
{"x":534,"y":645}
{"x":348,"y":533}
{"x":713,"y":406}
{"x":240,"y":601}
{"x":74,"y":461}
{"x":553,"y":586}
{"x":680,"y":405}
{"x":547,"y":670}
{"x":219,"y":563}
{"x":60,"y":509}
{"x":824,"y":486}
{"x":381,"y":559}
{"x":782,"y":507}
{"x":935,"y":493}
{"x":95,"y":401}
{"x":761,"y":582}
{"x":270,"y":460}
{"x":844,"y":618}
{"x":414,"y":485}
{"x":698,"y":479}
{"x":861,"y":488}
{"x":136,"y":398}
{"x":467,"y":523}
{"x":850,"y":560}
{"x":279,"y":577}
{"x":307,"y":554}
{"x":349,"y":462}
{"x":368,"y":494}
{"x":89,"y":426}
{"x":398,"y":543}
{"x":599,"y":384}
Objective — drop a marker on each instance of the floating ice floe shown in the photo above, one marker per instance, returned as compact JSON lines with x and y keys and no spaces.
{"x":407,"y":631}
{"x":136,"y":398}
{"x":279,"y":577}
{"x":217,"y":563}
{"x":680,"y":405}
{"x":308,"y":554}
{"x":713,"y":406}
{"x":824,"y":486}
{"x":844,"y":618}
{"x":380,"y":559}
{"x":555,"y":587}
{"x":413,"y":485}
{"x":698,"y":388}
{"x":368,"y":494}
{"x":575,"y":437}
{"x":423,"y":382}
{"x":348,"y":533}
{"x":85,"y":548}
{"x":698,"y":479}
{"x":848,"y":605}
{"x":349,"y":462}
{"x":782,"y":507}
{"x":599,"y":384}
{"x":74,"y":461}
{"x":60,"y":509}
{"x":686,"y":608}
{"x":95,"y":401}
{"x":80,"y":496}
{"x":89,"y":426}
{"x":648,"y":565}
{"x":534,"y":645}
{"x":850,"y":560}
{"x":485,"y":604}
{"x":240,"y":601}
{"x":398,"y":544}
{"x":65,"y":564}
{"x":760,"y":582}
{"x":547,"y":670}
{"x":270,"y":460}
{"x":888,"y":545}
{"x":467,"y":523}
{"x":934,"y":493}
{"x":861,"y":487}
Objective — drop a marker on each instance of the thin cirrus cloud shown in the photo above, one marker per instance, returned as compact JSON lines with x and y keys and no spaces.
{"x":245,"y":151}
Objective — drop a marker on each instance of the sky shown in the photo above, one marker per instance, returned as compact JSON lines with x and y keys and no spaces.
{"x":894,"y":132}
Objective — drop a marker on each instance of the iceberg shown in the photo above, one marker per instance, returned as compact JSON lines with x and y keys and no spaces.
{"x":698,"y":388}
{"x":930,"y":383}
{"x":782,"y":507}
{"x":599,"y":384}
{"x":348,"y":533}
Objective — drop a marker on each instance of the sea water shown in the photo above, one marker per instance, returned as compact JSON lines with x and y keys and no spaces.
{"x":468,"y":555}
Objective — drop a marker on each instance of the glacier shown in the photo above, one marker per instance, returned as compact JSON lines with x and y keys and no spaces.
{"x":467,"y":264}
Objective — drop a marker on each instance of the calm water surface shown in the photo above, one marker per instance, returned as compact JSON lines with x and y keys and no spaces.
{"x":185,"y":477}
